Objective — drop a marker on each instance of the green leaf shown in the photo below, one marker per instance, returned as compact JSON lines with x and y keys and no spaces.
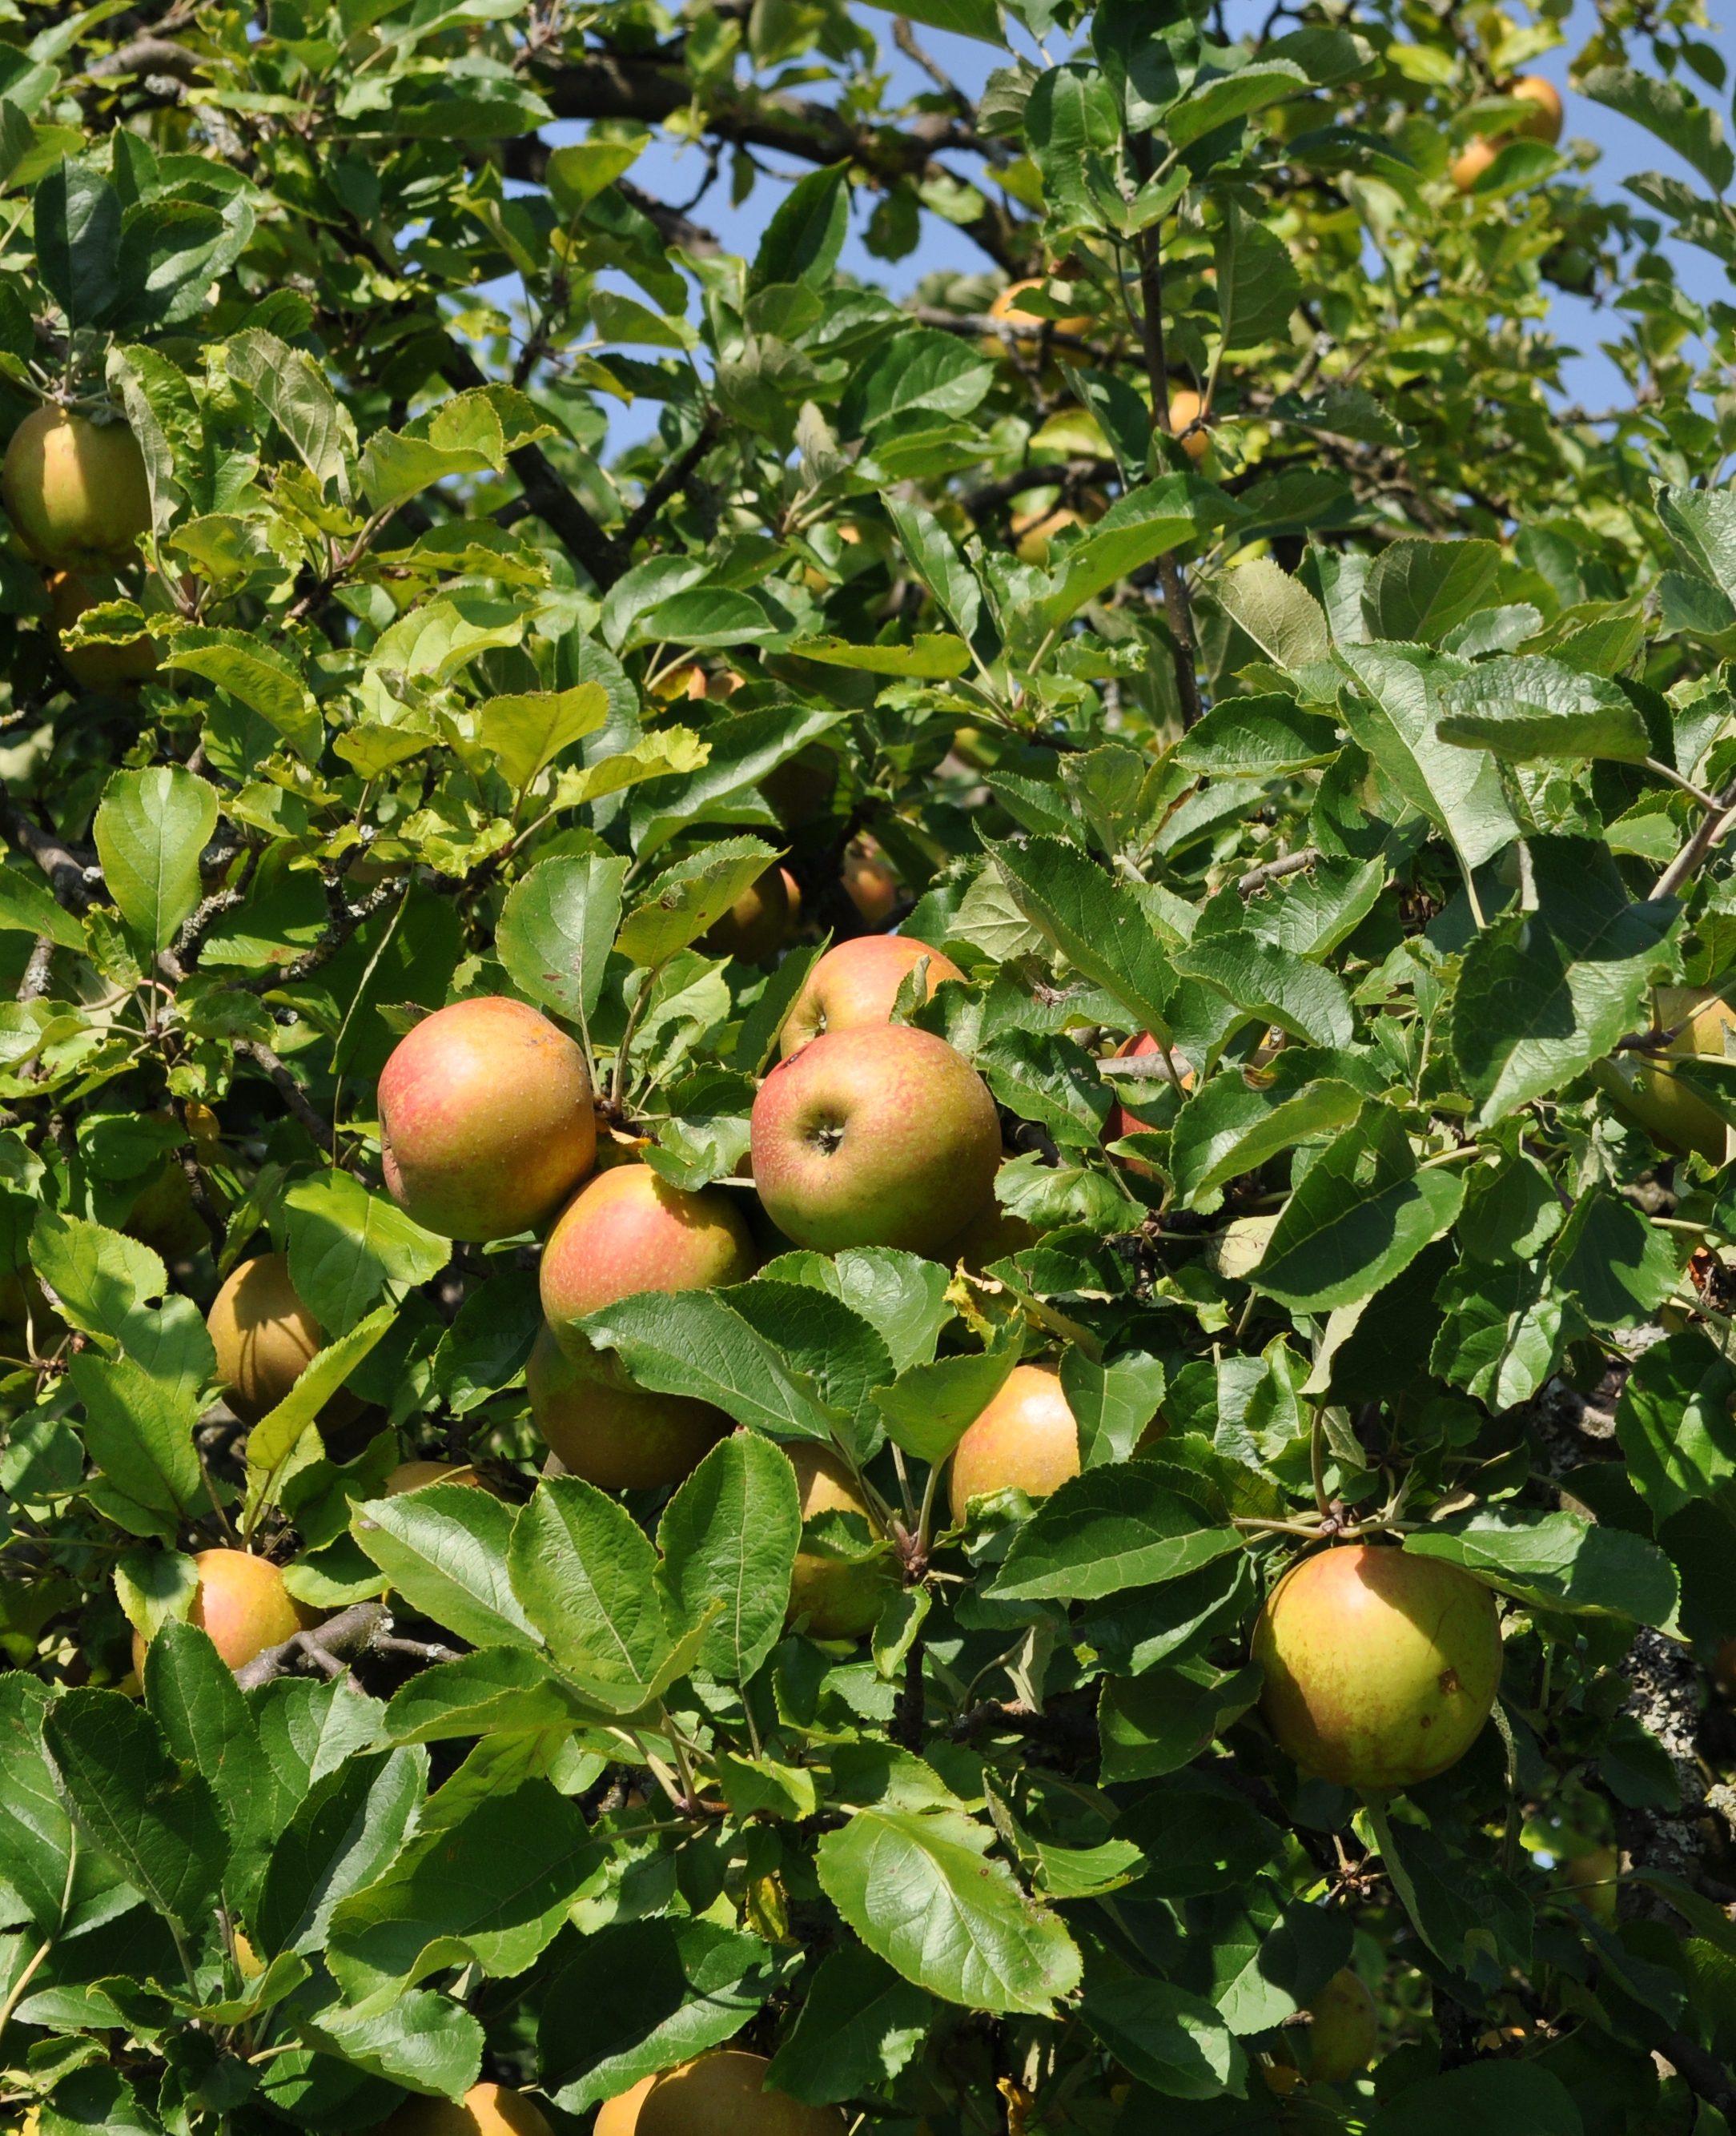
{"x":1140,"y":526}
{"x":730,"y":1533}
{"x":1113,"y":1401}
{"x":922,"y":1893}
{"x":902,"y":1296}
{"x":1264,"y":980}
{"x":1258,"y":287}
{"x":1197,"y":1839}
{"x":1675,"y":1423}
{"x":508,"y":1690}
{"x":935,"y":560}
{"x":688,"y":899}
{"x":192,"y":1697}
{"x":425,"y":2042}
{"x":806,"y":233}
{"x":555,"y":930}
{"x":495,"y":1887}
{"x":1545,"y":993}
{"x":1612,"y":1262}
{"x":293,"y":389}
{"x":1671,"y":110}
{"x":26,"y":907}
{"x":690,"y":1343}
{"x":929,"y":656}
{"x":1496,"y":2096}
{"x":444,"y":1549}
{"x":859,"y":2027}
{"x":931,"y":1406}
{"x":150,"y":830}
{"x":1417,"y":591}
{"x":139,"y":1431}
{"x":1235,"y":1123}
{"x":343,"y":1834}
{"x":101,"y":1278}
{"x":1394,"y":718}
{"x":1466,"y":1910}
{"x":1215,"y":103}
{"x":1114,"y":1526}
{"x":156,"y":1820}
{"x":346,"y":1244}
{"x":1245,"y":736}
{"x":1362,"y":1214}
{"x":1162,"y":1721}
{"x":740,"y":750}
{"x":525,"y":733}
{"x":1166,"y":2037}
{"x":62,"y":1889}
{"x":586,"y":1575}
{"x":254,"y":671}
{"x":1045,"y":1077}
{"x":1558,"y":1561}
{"x":1527,"y":709}
{"x":1292,"y":1964}
{"x":643,"y":1996}
{"x":966,"y":18}
{"x":273,"y":1438}
{"x":1098,"y":924}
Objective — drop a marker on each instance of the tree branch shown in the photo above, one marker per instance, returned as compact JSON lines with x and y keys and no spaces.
{"x":68,"y":876}
{"x":673,"y":477}
{"x":1292,"y":864}
{"x":365,"y":1628}
{"x":291,"y":1092}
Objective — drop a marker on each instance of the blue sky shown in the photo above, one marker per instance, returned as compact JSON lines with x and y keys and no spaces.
{"x":674,"y":172}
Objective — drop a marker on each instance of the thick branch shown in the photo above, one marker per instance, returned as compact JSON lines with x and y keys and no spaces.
{"x":365,"y":1628}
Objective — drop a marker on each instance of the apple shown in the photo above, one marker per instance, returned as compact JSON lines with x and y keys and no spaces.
{"x":75,"y":490}
{"x":1032,"y":531}
{"x":1185,"y":407}
{"x":855,"y":985}
{"x":620,"y":1437}
{"x":97,"y":666}
{"x":1121,"y":1122}
{"x":486,"y":2109}
{"x":264,"y":1338}
{"x":1544,"y":123}
{"x":757,"y":924}
{"x":1027,"y":1436}
{"x":1381,"y":1667}
{"x":620,"y":2116}
{"x":1006,"y":306}
{"x":628,"y":1229}
{"x":1470,"y":166}
{"x":1591,"y":1880}
{"x":723,"y":2094}
{"x":1346,"y":2028}
{"x":1655,"y":1100}
{"x":869,"y":882}
{"x":418,"y":1475}
{"x":486,"y":1124}
{"x":876,"y":1138}
{"x":241,"y":1601}
{"x":840,"y":1600}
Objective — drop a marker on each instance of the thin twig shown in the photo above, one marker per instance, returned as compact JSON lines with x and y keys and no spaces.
{"x":340,"y":1640}
{"x":1292,"y":864}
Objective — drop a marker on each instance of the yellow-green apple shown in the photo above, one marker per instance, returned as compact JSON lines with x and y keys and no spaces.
{"x":725,"y":2093}
{"x":875,"y":1137}
{"x":1543,"y":122}
{"x":264,"y":1338}
{"x":486,"y":1124}
{"x":757,"y":924}
{"x":840,"y":1597}
{"x":618,"y":1436}
{"x":1345,"y":2031}
{"x":75,"y":490}
{"x":1381,"y":1666}
{"x":418,"y":1475}
{"x":486,"y":2109}
{"x":96,"y":666}
{"x":1661,"y":1104}
{"x":855,"y":985}
{"x":241,"y":1601}
{"x":1026,"y":1437}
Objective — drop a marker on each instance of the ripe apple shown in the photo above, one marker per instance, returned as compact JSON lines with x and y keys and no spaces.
{"x":1345,"y":2031}
{"x":418,"y":1475}
{"x":614,"y":1434}
{"x":1032,"y":532}
{"x":1027,"y":1436}
{"x":855,"y":985}
{"x":869,"y":882}
{"x":486,"y":2109}
{"x":1121,"y":1122}
{"x":97,"y":666}
{"x":242,"y":1603}
{"x":1470,"y":166}
{"x":1544,"y":124}
{"x":264,"y":1338}
{"x":840,"y":1600}
{"x":757,"y":924}
{"x":628,"y":1229}
{"x":1185,"y":407}
{"x":723,"y":2094}
{"x":620,"y":2116}
{"x":1655,"y":1100}
{"x":876,"y":1138}
{"x":486,"y":1124}
{"x":1381,"y":1667}
{"x":75,"y":490}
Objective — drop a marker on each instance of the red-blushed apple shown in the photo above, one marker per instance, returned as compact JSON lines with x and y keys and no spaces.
{"x":486,"y":1124}
{"x":855,"y":985}
{"x":628,"y":1229}
{"x":869,"y":882}
{"x":75,"y":491}
{"x":1026,"y":1437}
{"x":757,"y":924}
{"x":486,"y":2109}
{"x":1345,"y":2031}
{"x":265,"y":1339}
{"x":241,"y":1601}
{"x":620,"y":1437}
{"x":1381,"y":1666}
{"x":724,"y":2094}
{"x":839,"y":1598}
{"x":883,"y":1137}
{"x":1121,"y":1122}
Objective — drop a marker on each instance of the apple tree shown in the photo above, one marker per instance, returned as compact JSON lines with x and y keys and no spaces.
{"x":874,"y":1268}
